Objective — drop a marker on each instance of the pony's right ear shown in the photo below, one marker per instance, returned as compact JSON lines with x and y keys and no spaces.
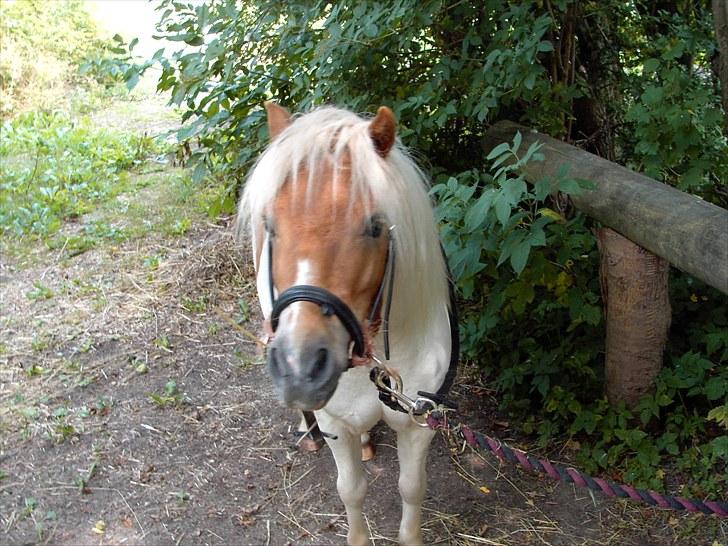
{"x":382,"y":130}
{"x":278,"y":118}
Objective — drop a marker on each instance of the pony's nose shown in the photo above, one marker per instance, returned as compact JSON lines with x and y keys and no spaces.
{"x":318,"y":364}
{"x":304,"y":377}
{"x":310,"y":365}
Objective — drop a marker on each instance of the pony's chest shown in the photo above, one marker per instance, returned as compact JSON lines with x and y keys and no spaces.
{"x":355,"y":401}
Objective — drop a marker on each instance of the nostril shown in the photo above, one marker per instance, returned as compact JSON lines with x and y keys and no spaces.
{"x":274,"y":363}
{"x":319,"y":365}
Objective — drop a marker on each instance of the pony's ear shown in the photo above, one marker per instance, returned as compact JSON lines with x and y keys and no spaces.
{"x":278,"y":118}
{"x":382,"y":130}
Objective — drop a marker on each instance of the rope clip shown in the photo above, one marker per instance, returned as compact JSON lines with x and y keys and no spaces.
{"x":390,"y":387}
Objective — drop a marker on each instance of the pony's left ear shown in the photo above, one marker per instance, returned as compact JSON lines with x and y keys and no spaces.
{"x":382,"y":130}
{"x":278,"y":118}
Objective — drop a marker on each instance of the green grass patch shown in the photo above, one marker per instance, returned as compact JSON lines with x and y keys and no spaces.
{"x":39,"y":292}
{"x":171,"y":396}
{"x":56,"y":169}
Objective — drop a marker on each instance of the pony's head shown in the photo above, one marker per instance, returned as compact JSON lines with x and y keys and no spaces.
{"x":321,"y":202}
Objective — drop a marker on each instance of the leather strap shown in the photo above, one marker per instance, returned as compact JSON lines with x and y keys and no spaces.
{"x":330,"y":305}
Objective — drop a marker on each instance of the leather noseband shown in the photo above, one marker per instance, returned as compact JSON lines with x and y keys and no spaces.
{"x":329,"y":304}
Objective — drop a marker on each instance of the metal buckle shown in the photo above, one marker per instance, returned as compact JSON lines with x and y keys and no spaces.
{"x":418,"y":409}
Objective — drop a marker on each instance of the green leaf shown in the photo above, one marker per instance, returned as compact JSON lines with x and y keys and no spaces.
{"x":502,"y":209}
{"x":516,"y":141}
{"x":132,"y":80}
{"x":514,"y":190}
{"x":476,"y":215}
{"x":519,"y":256}
{"x":537,"y":237}
{"x":370,"y":30}
{"x":498,"y":150}
{"x":542,"y":189}
{"x":715,"y":388}
{"x":650,"y":65}
{"x":569,"y":186}
{"x":199,"y":173}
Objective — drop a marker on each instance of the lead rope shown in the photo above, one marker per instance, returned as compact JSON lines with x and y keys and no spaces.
{"x":428,"y":411}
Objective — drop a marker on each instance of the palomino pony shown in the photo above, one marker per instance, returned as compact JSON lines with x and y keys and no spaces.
{"x":330,"y":203}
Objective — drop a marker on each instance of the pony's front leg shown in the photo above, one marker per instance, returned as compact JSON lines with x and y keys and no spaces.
{"x":412,"y":445}
{"x":351,"y":483}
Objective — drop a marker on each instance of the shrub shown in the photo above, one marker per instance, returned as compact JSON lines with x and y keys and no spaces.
{"x":42,"y":45}
{"x":54,"y":168}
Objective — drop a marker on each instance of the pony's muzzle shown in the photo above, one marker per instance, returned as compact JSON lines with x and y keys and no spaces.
{"x":306,"y":376}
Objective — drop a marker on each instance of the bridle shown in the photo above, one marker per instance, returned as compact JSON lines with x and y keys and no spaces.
{"x":361,"y":344}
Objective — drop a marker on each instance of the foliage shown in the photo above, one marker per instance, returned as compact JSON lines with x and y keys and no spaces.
{"x":55,"y":169}
{"x":322,"y":52}
{"x":631,"y":79}
{"x":674,"y":120}
{"x":171,"y":396}
{"x":42,"y":46}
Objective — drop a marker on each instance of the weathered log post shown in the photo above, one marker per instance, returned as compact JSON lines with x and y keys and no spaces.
{"x":634,"y":285}
{"x":682,"y":229}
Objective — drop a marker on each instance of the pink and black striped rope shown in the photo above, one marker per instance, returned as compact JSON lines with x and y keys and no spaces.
{"x":477,"y":440}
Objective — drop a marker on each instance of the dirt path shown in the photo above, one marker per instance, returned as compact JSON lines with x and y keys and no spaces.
{"x":133,"y":410}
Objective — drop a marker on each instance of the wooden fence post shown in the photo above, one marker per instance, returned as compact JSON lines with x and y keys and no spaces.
{"x":634,"y":285}
{"x":682,"y":229}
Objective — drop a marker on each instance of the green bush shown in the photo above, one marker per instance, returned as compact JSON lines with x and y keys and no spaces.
{"x":54,"y":168}
{"x":42,"y":45}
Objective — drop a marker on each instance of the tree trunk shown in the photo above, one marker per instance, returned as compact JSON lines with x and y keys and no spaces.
{"x":720,"y":18}
{"x":599,"y":111}
{"x":637,"y":309}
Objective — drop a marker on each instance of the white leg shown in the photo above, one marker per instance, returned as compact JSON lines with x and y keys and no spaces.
{"x":412,"y":446}
{"x":302,"y":426}
{"x":351,"y":483}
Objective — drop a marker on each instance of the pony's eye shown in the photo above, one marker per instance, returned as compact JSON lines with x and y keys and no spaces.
{"x":374,"y":227}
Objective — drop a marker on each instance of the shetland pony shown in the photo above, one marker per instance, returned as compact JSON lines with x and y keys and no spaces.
{"x":329,"y":204}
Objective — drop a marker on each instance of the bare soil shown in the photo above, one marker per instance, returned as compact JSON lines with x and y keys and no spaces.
{"x":97,"y":446}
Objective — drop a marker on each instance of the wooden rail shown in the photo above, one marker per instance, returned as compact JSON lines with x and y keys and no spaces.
{"x":683,"y":229}
{"x":649,"y":225}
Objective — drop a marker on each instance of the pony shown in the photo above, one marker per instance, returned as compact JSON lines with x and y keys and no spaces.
{"x":327,"y":206}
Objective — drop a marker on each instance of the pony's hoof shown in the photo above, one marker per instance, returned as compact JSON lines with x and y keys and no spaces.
{"x":310,"y":445}
{"x":367,"y":451}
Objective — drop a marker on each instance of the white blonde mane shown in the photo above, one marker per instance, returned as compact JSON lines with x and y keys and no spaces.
{"x":398,"y":189}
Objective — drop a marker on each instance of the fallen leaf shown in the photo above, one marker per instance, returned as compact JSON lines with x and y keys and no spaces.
{"x":100,"y":527}
{"x":250,"y":510}
{"x":484,"y":490}
{"x":246,"y":521}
